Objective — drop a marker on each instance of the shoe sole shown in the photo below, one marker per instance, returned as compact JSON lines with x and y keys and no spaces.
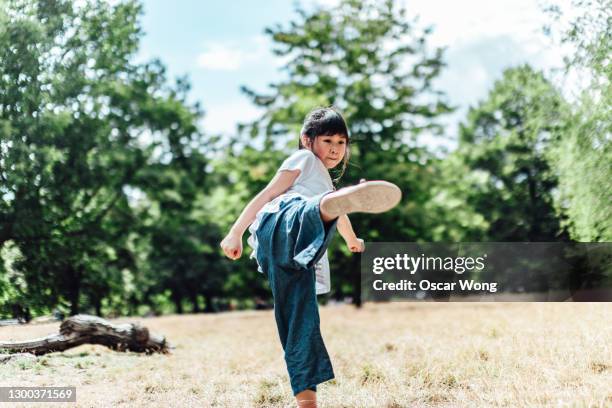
{"x":369,"y":197}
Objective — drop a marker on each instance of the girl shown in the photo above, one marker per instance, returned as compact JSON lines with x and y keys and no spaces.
{"x":292,"y":221}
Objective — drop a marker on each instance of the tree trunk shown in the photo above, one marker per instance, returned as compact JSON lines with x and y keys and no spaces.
{"x":209,"y":305}
{"x":74,"y":291}
{"x":98,"y":306}
{"x":85,"y":329}
{"x":178,"y":303}
{"x":356,"y":272}
{"x":194,"y":302}
{"x":534,"y":227}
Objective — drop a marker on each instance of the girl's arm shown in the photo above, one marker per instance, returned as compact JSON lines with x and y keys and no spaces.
{"x":232,"y":243}
{"x":346,"y":230}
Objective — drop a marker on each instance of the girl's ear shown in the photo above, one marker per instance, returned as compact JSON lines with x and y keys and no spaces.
{"x":305,"y":141}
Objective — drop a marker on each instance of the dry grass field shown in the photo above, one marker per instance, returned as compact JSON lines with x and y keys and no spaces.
{"x":385,"y":355}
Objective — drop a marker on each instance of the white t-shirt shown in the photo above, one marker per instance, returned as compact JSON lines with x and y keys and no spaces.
{"x":313,"y":179}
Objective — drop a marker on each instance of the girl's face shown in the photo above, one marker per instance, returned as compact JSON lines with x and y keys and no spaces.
{"x":329,"y":149}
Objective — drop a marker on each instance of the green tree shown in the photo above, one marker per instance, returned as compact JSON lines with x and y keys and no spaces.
{"x":373,"y":63}
{"x":79,"y":123}
{"x":582,"y":155}
{"x":500,"y":170}
{"x":183,"y":234}
{"x":240,"y":173}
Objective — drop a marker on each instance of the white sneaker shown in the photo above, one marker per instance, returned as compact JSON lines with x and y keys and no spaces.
{"x":368,"y":197}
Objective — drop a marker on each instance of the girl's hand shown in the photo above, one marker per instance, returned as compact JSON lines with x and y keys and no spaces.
{"x":232,"y":246}
{"x":356,"y":245}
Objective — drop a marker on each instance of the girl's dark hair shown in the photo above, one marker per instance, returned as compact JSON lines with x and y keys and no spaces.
{"x":326,"y":122}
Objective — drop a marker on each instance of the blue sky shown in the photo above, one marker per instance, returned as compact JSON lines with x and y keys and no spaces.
{"x":221,"y":45}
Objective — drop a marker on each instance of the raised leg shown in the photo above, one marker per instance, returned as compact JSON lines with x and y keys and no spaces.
{"x":368,"y":197}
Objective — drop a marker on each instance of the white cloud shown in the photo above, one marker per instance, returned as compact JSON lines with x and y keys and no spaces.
{"x":221,"y":57}
{"x":482,"y":39}
{"x":460,"y":22}
{"x":222,"y":118}
{"x":232,"y":56}
{"x":325,"y":3}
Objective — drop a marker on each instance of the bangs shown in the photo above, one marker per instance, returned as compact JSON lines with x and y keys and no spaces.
{"x":325,"y":122}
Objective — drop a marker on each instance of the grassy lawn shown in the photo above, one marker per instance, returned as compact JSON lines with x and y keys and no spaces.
{"x":385,"y":355}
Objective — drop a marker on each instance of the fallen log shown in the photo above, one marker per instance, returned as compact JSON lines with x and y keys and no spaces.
{"x":84,"y":329}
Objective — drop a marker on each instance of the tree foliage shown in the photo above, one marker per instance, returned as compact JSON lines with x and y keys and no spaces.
{"x":500,"y":169}
{"x":81,"y":126}
{"x":582,"y":155}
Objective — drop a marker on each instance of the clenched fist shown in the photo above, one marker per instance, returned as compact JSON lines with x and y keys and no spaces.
{"x":356,"y":245}
{"x":232,"y":246}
